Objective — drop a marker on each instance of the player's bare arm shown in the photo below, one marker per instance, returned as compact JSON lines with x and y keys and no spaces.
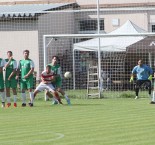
{"x":8,"y":63}
{"x":12,"y":74}
{"x":29,"y":73}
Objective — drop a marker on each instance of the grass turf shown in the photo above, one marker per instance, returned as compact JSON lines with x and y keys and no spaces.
{"x":121,"y":121}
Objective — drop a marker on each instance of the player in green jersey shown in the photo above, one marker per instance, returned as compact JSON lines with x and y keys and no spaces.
{"x":55,"y":67}
{"x":2,"y":82}
{"x":26,"y":67}
{"x":10,"y":78}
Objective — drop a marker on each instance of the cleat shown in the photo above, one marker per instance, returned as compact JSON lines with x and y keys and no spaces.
{"x":15,"y":104}
{"x":152,"y":102}
{"x":54,"y":103}
{"x":68,"y":101}
{"x":24,"y":105}
{"x":3,"y":104}
{"x":8,"y":105}
{"x":136,"y":97}
{"x":31,"y":104}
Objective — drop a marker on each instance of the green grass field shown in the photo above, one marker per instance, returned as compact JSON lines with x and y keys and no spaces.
{"x":112,"y":121}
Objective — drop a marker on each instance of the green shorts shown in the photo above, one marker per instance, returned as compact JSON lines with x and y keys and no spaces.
{"x":26,"y":84}
{"x":58,"y":83}
{"x":11,"y":83}
{"x":2,"y":84}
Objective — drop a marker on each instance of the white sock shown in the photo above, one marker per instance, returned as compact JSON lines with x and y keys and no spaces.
{"x":24,"y":98}
{"x":8,"y":99}
{"x":153,"y":96}
{"x":31,"y":96}
{"x":3,"y":96}
{"x":15,"y":98}
{"x":46,"y":97}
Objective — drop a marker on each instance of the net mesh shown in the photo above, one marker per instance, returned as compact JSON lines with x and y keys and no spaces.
{"x":25,"y":30}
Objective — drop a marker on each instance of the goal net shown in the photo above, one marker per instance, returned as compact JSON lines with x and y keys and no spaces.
{"x":83,"y":34}
{"x":118,"y":55}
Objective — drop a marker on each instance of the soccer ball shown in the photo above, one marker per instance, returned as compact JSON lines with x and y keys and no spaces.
{"x":67,"y":75}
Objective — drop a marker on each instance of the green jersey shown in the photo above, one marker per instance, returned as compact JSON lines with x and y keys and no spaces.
{"x":1,"y":74}
{"x":10,"y":68}
{"x":25,"y":66}
{"x":1,"y":66}
{"x":57,"y":70}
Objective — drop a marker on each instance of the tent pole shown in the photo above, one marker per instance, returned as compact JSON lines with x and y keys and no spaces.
{"x":73,"y":70}
{"x":150,"y":59}
{"x":98,"y":18}
{"x":99,"y":50}
{"x":45,"y":51}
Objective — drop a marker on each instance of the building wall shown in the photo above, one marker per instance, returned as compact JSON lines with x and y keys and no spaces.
{"x":18,"y":25}
{"x":45,"y":24}
{"x":151,"y":19}
{"x":50,"y":24}
{"x":17,"y":41}
{"x":139,"y":19}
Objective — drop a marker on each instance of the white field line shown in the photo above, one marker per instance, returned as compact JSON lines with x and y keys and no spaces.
{"x":38,"y":134}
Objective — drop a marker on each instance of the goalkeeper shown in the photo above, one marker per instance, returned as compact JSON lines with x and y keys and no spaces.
{"x":143,"y":74}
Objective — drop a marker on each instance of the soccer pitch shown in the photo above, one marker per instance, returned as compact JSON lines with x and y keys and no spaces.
{"x":121,"y":121}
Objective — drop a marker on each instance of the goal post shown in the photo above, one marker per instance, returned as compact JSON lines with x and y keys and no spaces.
{"x":113,"y":54}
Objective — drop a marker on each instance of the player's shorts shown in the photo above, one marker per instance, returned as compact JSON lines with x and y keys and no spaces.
{"x":2,"y":84}
{"x":11,"y":83}
{"x":42,"y":86}
{"x":26,"y":84}
{"x":58,"y":83}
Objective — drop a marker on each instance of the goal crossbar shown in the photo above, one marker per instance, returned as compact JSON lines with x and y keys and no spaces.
{"x":96,"y":35}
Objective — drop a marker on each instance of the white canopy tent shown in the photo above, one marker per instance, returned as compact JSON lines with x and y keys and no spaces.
{"x":107,"y":44}
{"x":111,"y":44}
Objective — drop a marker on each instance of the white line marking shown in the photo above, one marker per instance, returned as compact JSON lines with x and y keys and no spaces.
{"x":57,"y":136}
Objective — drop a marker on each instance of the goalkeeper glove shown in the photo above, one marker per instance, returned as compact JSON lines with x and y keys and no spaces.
{"x":150,"y":77}
{"x":131,"y":79}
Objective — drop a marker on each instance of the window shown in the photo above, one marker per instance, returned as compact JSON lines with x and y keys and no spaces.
{"x":153,"y":28}
{"x":90,"y":25}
